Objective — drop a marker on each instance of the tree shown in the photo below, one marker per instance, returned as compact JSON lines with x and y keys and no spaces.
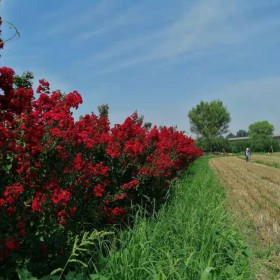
{"x":103,"y":110}
{"x":260,"y":134}
{"x":241,"y":133}
{"x":209,"y":120}
{"x":219,"y":144}
{"x":231,"y":135}
{"x":24,"y":81}
{"x":263,"y":128}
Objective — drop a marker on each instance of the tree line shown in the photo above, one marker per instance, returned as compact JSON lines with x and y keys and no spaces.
{"x":210,"y":122}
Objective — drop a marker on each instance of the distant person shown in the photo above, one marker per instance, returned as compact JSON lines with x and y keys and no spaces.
{"x":248,"y":154}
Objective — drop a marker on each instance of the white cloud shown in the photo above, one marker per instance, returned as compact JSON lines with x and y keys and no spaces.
{"x":126,"y":18}
{"x":212,"y":25}
{"x":185,"y":34}
{"x":80,"y":18}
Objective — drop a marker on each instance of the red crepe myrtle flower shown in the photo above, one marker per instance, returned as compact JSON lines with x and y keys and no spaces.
{"x":13,"y":191}
{"x":21,"y":225}
{"x":129,"y":185}
{"x":120,"y":196}
{"x":12,"y":245}
{"x":118,"y":212}
{"x":2,"y":202}
{"x":72,"y":211}
{"x":98,"y":190}
{"x":61,"y":196}
{"x":11,"y":211}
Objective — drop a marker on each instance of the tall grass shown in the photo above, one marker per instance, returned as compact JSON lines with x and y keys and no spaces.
{"x":191,"y":237}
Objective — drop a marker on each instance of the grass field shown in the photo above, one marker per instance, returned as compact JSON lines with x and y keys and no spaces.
{"x":192,"y":237}
{"x":253,"y":191}
{"x":272,"y":160}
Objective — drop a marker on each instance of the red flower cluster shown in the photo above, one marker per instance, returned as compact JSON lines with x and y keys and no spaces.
{"x":60,"y":173}
{"x":129,"y":185}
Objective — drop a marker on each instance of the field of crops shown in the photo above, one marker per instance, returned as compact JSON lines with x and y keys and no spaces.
{"x":254,"y":193}
{"x":267,"y":159}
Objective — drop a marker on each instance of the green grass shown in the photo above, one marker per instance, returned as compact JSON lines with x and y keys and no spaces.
{"x":191,"y":237}
{"x":271,"y":164}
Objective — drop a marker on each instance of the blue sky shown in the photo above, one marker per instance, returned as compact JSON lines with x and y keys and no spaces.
{"x":159,"y":57}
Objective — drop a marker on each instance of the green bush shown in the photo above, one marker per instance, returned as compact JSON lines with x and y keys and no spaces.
{"x":264,"y":144}
{"x":217,"y":144}
{"x":239,"y":145}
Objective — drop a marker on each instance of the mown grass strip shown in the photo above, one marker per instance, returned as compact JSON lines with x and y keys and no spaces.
{"x":271,"y":164}
{"x":191,"y":237}
{"x":263,"y":162}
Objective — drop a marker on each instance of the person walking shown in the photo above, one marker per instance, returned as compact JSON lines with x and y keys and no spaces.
{"x":248,"y":154}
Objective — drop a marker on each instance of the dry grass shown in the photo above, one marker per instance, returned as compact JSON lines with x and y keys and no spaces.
{"x":254,"y":194}
{"x":269,"y":158}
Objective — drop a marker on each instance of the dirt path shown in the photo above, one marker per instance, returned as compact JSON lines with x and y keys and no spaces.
{"x":254,"y":194}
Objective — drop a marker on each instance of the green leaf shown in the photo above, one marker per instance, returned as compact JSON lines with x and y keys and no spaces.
{"x":187,"y":261}
{"x":9,"y":157}
{"x":7,"y":167}
{"x":56,"y":271}
{"x":51,"y":277}
{"x":24,"y":274}
{"x":206,"y":273}
{"x":71,"y":275}
{"x":78,"y":261}
{"x":82,"y":249}
{"x":97,"y":277}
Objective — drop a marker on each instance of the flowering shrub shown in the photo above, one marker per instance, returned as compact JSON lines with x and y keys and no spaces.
{"x":59,"y":177}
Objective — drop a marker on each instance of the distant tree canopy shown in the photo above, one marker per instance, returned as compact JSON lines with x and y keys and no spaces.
{"x":231,"y":135}
{"x":209,"y":120}
{"x":103,"y":110}
{"x":218,"y":144}
{"x":260,"y":134}
{"x":263,"y":128}
{"x":24,"y":81}
{"x":241,"y":133}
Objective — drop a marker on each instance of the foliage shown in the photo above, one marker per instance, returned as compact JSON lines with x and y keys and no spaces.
{"x":103,"y":110}
{"x":241,"y":133}
{"x":24,"y":81}
{"x":257,"y":144}
{"x":260,"y":129}
{"x":231,"y":135}
{"x":260,"y":136}
{"x":218,"y":144}
{"x":239,"y":146}
{"x":82,"y":246}
{"x":60,"y":177}
{"x":209,"y":120}
{"x":263,"y":144}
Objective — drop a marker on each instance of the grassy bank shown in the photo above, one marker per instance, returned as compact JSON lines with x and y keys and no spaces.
{"x":190,"y":238}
